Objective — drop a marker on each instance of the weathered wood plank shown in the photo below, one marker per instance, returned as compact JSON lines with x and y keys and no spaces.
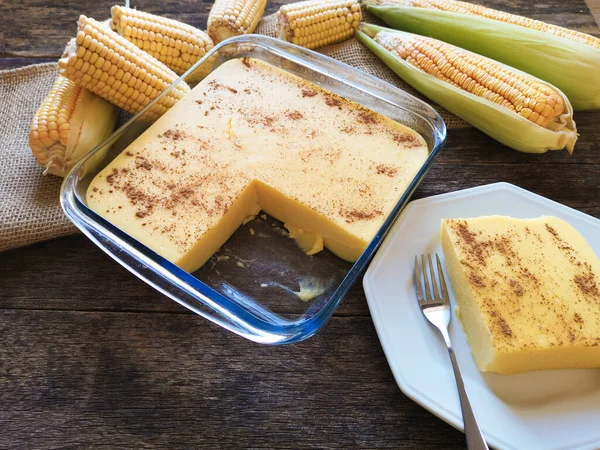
{"x":142,"y":380}
{"x":13,"y":63}
{"x":469,"y":146}
{"x":42,"y":29}
{"x":572,"y":185}
{"x":71,"y":273}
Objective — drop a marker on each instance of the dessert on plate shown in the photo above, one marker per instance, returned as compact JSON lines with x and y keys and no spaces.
{"x":527,"y":290}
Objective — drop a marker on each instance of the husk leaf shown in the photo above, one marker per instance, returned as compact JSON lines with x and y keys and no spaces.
{"x":571,"y":66}
{"x":92,"y":121}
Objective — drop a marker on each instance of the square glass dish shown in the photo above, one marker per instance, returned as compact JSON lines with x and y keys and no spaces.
{"x":259,"y":285}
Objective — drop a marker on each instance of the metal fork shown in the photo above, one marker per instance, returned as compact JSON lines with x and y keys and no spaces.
{"x":436,"y":308}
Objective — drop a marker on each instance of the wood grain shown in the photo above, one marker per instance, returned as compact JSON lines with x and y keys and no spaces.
{"x":91,"y":357}
{"x":15,"y":62}
{"x":123,"y":380}
{"x":50,"y":25}
{"x":102,"y":286}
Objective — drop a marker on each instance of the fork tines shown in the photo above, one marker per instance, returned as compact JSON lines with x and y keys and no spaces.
{"x":433,"y":288}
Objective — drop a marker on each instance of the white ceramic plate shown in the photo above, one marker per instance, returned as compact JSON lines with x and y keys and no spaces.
{"x":550,"y":410}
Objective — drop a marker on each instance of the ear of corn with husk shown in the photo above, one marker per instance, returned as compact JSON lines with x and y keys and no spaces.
{"x":569,"y":60}
{"x":460,"y":7}
{"x":69,"y":123}
{"x":516,"y":109}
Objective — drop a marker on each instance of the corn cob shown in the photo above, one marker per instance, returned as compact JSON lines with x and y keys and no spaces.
{"x":478,"y":10}
{"x":316,"y":23}
{"x":112,"y":67}
{"x":532,"y":100}
{"x":69,"y":123}
{"x":228,"y":18}
{"x":514,"y":108}
{"x":567,"y":59}
{"x":175,"y":44}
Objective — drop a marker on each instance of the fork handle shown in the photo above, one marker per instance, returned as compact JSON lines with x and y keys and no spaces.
{"x":475,"y":440}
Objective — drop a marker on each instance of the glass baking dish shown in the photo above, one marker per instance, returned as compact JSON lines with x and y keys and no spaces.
{"x":259,"y":285}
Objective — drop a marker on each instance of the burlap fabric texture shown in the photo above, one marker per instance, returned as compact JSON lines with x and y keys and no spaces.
{"x":29,"y":202}
{"x":29,"y":206}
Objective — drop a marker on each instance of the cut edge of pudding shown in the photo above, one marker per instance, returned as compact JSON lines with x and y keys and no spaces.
{"x":469,"y":316}
{"x":311,"y":231}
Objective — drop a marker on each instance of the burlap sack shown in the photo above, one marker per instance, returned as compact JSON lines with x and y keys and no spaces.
{"x":29,"y":207}
{"x":29,"y":202}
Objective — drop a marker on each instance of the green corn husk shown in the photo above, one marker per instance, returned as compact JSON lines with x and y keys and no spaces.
{"x":496,"y":121}
{"x":571,"y":66}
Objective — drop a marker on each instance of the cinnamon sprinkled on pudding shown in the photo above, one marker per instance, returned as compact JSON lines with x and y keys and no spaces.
{"x":250,"y":137}
{"x":309,"y":92}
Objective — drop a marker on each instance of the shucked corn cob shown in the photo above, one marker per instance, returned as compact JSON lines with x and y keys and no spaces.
{"x":316,"y":23}
{"x":514,"y":108}
{"x":173,"y":43}
{"x":478,"y":10}
{"x":69,"y":123}
{"x":228,"y":18}
{"x":568,"y":59}
{"x":115,"y":69}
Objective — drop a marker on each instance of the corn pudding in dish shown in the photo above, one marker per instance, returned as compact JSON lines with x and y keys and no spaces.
{"x":527,"y":291}
{"x":252,"y":137}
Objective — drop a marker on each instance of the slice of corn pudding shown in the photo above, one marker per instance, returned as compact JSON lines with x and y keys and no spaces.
{"x":251,"y":137}
{"x":527,"y":290}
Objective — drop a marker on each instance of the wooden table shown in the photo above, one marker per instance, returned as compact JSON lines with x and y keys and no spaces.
{"x":91,"y":356}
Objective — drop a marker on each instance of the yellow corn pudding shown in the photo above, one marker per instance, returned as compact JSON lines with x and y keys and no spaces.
{"x":527,"y":291}
{"x":249,"y":137}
